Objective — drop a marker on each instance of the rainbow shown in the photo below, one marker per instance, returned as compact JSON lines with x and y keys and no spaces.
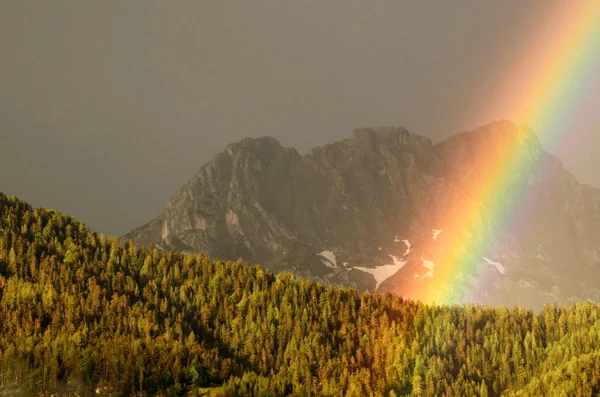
{"x":564,"y":55}
{"x":562,"y":58}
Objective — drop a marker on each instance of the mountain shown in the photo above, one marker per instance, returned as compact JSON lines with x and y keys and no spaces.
{"x":373,"y":211}
{"x":84,"y":315}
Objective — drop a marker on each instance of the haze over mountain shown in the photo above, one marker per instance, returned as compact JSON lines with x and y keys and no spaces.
{"x":370,"y":211}
{"x":107,"y":108}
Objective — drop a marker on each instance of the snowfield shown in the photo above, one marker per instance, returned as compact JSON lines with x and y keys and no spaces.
{"x":382,"y":273}
{"x":408,"y":246}
{"x":499,"y":266}
{"x":396,"y":260}
{"x":429,"y":265}
{"x":328,"y":259}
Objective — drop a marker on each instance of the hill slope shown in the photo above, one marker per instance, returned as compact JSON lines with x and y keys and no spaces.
{"x":83,"y":314}
{"x":371,"y":211}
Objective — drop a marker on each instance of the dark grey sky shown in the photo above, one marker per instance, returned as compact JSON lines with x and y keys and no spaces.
{"x":108,"y":107}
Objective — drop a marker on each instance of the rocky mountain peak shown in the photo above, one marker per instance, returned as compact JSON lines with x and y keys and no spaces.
{"x":370,"y":211}
{"x":501,"y":137}
{"x":255,"y":145}
{"x":389,"y":136}
{"x":263,"y":149}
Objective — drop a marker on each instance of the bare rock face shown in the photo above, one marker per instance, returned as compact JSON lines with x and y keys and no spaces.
{"x":382,"y":210}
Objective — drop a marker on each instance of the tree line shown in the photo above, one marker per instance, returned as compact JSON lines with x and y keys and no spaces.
{"x":84,"y":313}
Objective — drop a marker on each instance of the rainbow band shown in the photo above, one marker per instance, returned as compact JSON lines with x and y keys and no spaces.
{"x":566,"y":53}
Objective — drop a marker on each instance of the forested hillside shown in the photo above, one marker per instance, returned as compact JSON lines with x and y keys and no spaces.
{"x":80,"y":312}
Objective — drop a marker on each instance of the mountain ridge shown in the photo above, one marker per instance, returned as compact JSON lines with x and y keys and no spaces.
{"x":338,"y":213}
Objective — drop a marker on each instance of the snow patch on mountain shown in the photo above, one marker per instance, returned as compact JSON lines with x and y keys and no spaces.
{"x":408,"y":247}
{"x":499,"y":266}
{"x":429,"y":265}
{"x":328,"y":259}
{"x":382,"y":273}
{"x":436,"y":234}
{"x":397,"y":261}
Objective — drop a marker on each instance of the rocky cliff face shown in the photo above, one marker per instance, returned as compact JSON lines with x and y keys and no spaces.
{"x":379,"y":211}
